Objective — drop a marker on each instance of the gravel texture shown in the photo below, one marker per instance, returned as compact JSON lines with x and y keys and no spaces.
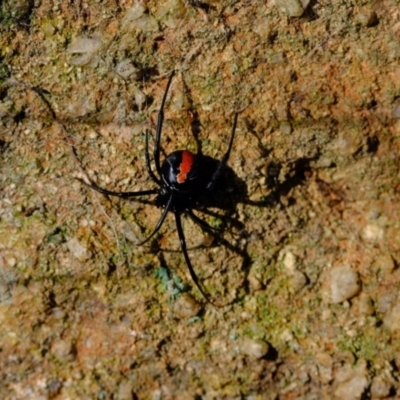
{"x":307,"y":264}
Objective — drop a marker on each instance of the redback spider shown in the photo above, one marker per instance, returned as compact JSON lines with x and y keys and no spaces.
{"x":184,"y":179}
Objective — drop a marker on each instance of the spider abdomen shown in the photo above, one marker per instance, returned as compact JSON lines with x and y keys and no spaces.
{"x":179,"y":170}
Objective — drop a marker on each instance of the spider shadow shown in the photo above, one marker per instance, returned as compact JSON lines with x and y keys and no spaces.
{"x":298,"y":170}
{"x":297,"y":175}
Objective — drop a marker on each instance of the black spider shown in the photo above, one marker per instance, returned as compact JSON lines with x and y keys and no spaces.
{"x":185,"y":180}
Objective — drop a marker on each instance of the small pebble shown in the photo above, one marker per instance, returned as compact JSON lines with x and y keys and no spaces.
{"x":385,"y":263}
{"x":380,"y":387}
{"x":350,"y":382}
{"x":125,"y":391}
{"x":83,"y":49}
{"x":384,"y":302}
{"x":366,"y":17}
{"x":372,"y":233}
{"x":77,"y":249}
{"x":61,"y":348}
{"x":126,"y":69}
{"x":254,"y":348}
{"x":392,"y":318}
{"x":293,"y":8}
{"x":285,"y":128}
{"x":325,"y":367}
{"x":344,"y":283}
{"x":186,"y":307}
{"x":135,"y":12}
{"x":262,"y":27}
{"x":298,"y":280}
{"x":131,"y":231}
{"x":172,"y":13}
{"x":289,"y":261}
{"x":135,"y":18}
{"x":140,"y":98}
{"x":365,"y":305}
{"x":58,"y":313}
{"x":396,"y":111}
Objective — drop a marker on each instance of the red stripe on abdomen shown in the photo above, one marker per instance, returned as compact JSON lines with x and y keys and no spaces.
{"x":185,"y":166}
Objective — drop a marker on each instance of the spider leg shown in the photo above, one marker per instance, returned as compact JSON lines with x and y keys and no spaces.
{"x":160,"y":221}
{"x":160,"y":121}
{"x":148,"y":165}
{"x":200,"y":222}
{"x":224,"y":159}
{"x":122,"y":195}
{"x":187,"y":259}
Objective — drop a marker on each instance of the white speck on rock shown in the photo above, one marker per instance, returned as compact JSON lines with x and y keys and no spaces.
{"x":344,"y":283}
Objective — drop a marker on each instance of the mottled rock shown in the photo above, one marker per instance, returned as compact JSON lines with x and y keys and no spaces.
{"x":262,"y":27}
{"x":125,"y":391}
{"x":254,"y":348}
{"x":136,"y":19}
{"x":186,"y":306}
{"x":294,"y":8}
{"x":380,"y":387}
{"x":372,"y":233}
{"x":350,"y":382}
{"x":126,"y":69}
{"x":61,"y":348}
{"x":83,"y":48}
{"x":366,"y":17}
{"x":344,"y":283}
{"x":392,"y":318}
{"x":77,"y":249}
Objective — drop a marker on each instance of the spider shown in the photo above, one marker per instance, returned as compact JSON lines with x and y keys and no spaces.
{"x":184,"y":180}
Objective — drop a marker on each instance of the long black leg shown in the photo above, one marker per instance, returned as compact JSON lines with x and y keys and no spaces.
{"x":187,"y":259}
{"x":148,"y":165}
{"x":159,"y":127}
{"x":224,"y":159}
{"x":122,"y":195}
{"x":160,"y":221}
